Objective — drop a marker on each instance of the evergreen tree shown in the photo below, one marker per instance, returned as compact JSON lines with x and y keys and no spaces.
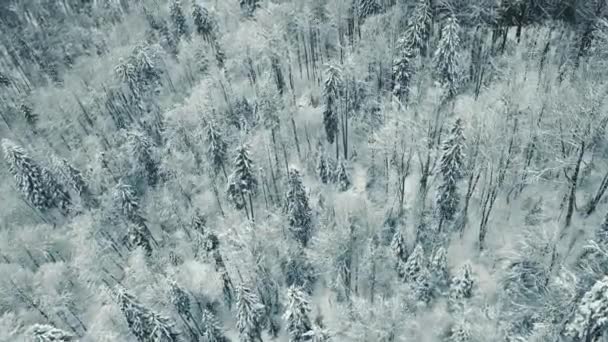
{"x":590,"y":318}
{"x":30,"y":117}
{"x":461,"y":287}
{"x":451,"y":170}
{"x":125,"y":199}
{"x":318,"y":332}
{"x":70,"y":176}
{"x":242,"y":181}
{"x":48,"y":333}
{"x":180,"y":299}
{"x":178,"y":19}
{"x":249,"y":315}
{"x":36,"y":182}
{"x":249,"y":6}
{"x":141,"y":149}
{"x":139,"y":236}
{"x":323,"y":168}
{"x":298,"y":271}
{"x":145,"y":324}
{"x":296,"y":315}
{"x":439,"y":268}
{"x":204,"y":22}
{"x":210,"y":328}
{"x":332,"y":89}
{"x":402,"y":71}
{"x":419,"y":30}
{"x":415,"y":265}
{"x":399,"y":249}
{"x":369,"y":7}
{"x":423,"y":289}
{"x":459,"y":332}
{"x":298,"y":209}
{"x":446,"y":57}
{"x":217,"y":148}
{"x":343,"y":176}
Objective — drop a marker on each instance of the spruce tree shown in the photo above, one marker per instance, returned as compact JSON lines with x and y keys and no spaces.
{"x":180,"y":26}
{"x":141,"y":149}
{"x":298,"y":210}
{"x":590,"y":318}
{"x":297,"y":315}
{"x":203,"y":22}
{"x":145,"y":324}
{"x":369,"y":7}
{"x":30,"y":117}
{"x":318,"y":332}
{"x":298,"y":270}
{"x":48,"y":333}
{"x":419,"y":30}
{"x":242,"y":181}
{"x":439,"y":268}
{"x":35,"y":182}
{"x":415,"y":265}
{"x":461,"y":287}
{"x":451,"y":171}
{"x":332,"y":89}
{"x":399,"y":248}
{"x":446,"y":56}
{"x":71,"y":177}
{"x":217,"y":148}
{"x":402,"y":71}
{"x":343,"y":176}
{"x":249,"y":315}
{"x":211,"y":330}
{"x":180,"y":299}
{"x":324,"y":170}
{"x":249,"y":6}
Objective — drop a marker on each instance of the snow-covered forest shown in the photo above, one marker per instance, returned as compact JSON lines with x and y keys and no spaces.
{"x":303,"y":170}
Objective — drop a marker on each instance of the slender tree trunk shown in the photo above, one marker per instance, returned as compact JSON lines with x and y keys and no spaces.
{"x":573,"y":185}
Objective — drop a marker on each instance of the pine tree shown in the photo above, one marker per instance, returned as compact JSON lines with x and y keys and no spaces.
{"x":446,"y":57}
{"x":451,"y":170}
{"x":323,"y":168}
{"x":368,"y":8}
{"x":399,"y":248}
{"x":71,"y":177}
{"x":250,"y":313}
{"x":590,"y":318}
{"x":204,"y":22}
{"x":210,"y":328}
{"x":296,"y":315}
{"x":298,"y":209}
{"x":217,"y":148}
{"x":332,"y":89}
{"x":242,"y":181}
{"x":141,"y":148}
{"x":48,"y":333}
{"x":439,"y":268}
{"x":419,"y":30}
{"x":178,"y":19}
{"x":36,"y":182}
{"x":402,"y":71}
{"x":342,"y":176}
{"x":145,"y":324}
{"x":415,"y":265}
{"x":461,"y":287}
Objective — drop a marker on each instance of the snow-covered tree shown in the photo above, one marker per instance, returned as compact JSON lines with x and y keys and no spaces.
{"x":249,"y":314}
{"x":461,"y":287}
{"x":298,"y":209}
{"x":203,"y":22}
{"x":399,"y":248}
{"x":590,"y":318}
{"x":145,"y":324}
{"x":126,"y":201}
{"x":343,"y":176}
{"x":297,"y":315}
{"x":243,"y":180}
{"x":48,"y":333}
{"x":332,"y":90}
{"x":419,"y":29}
{"x":451,"y":171}
{"x":35,"y":182}
{"x":210,"y":328}
{"x":179,"y":298}
{"x":446,"y":57}
{"x":141,"y":149}
{"x":439,"y":268}
{"x":249,"y":6}
{"x":298,"y":270}
{"x":318,"y":332}
{"x":216,"y":147}
{"x":71,"y":177}
{"x":415,"y":264}
{"x":324,"y":170}
{"x":180,"y":26}
{"x":30,"y":117}
{"x":459,"y":332}
{"x":402,"y":70}
{"x":368,"y":8}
